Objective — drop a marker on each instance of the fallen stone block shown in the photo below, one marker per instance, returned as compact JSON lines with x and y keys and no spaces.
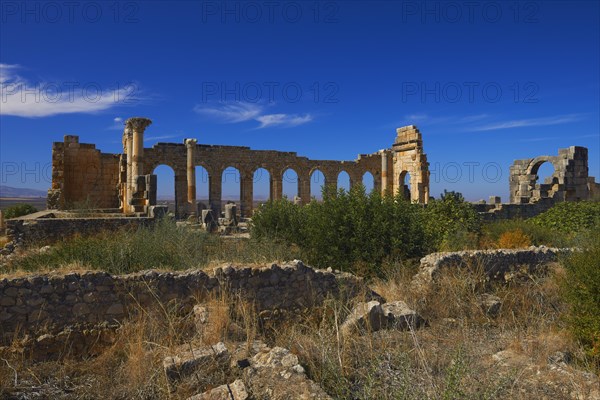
{"x":399,"y":316}
{"x":365,"y":317}
{"x":276,"y":374}
{"x":186,"y":363}
{"x":233,"y":391}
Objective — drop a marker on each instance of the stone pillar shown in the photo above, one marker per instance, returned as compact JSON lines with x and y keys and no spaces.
{"x":137,"y":125}
{"x":246,"y":193}
{"x":276,"y":186}
{"x":128,"y":139}
{"x":384,"y":172}
{"x":304,"y":188}
{"x":190,"y":145}
{"x":181,"y":192}
{"x":214,"y":193}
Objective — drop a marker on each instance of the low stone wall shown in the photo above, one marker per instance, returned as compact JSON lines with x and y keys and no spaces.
{"x":495,"y":212}
{"x":47,"y":229}
{"x":47,"y":304}
{"x":495,"y":263}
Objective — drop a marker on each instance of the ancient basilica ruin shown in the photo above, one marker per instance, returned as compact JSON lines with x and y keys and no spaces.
{"x":81,"y":173}
{"x":125,"y":182}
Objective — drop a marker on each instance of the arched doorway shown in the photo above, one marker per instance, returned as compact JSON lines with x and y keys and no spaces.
{"x":405,"y":187}
{"x":230,"y":187}
{"x":260,"y":187}
{"x":165,"y":186}
{"x":343,"y":181}
{"x":290,"y":184}
{"x":368,"y":182}
{"x":317,"y":180}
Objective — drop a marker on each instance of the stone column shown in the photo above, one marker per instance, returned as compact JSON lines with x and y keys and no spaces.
{"x":304,"y":187}
{"x":181,"y":192}
{"x":128,"y":148}
{"x":190,"y":144}
{"x":137,"y":125}
{"x":246,"y":193}
{"x":214,"y":192}
{"x":384,"y":172}
{"x":276,"y":186}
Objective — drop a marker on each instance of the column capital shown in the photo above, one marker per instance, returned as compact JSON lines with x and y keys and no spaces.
{"x":138,"y":123}
{"x":190,"y":142}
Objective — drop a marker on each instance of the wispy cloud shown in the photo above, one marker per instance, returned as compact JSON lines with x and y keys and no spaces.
{"x":520,"y":123}
{"x":284,"y":120}
{"x":427,"y":120}
{"x":150,"y":138}
{"x":22,"y":98}
{"x":547,"y":138}
{"x":117,"y":124}
{"x":240,"y":112}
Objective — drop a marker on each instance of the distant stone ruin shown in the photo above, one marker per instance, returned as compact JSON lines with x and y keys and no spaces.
{"x":82,"y":174}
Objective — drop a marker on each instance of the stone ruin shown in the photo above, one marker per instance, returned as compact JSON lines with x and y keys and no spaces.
{"x":82,"y":174}
{"x":529,"y":197}
{"x":109,"y":187}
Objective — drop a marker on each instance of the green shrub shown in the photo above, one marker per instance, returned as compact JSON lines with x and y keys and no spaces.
{"x":581,"y":289}
{"x":449,"y":218}
{"x":162,"y":245}
{"x":570,"y":217}
{"x":18,"y":210}
{"x":360,"y":232}
{"x":538,"y":235}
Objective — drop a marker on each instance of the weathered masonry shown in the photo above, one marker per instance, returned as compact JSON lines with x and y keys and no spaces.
{"x":81,"y":174}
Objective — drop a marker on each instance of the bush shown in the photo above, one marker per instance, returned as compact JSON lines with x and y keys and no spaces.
{"x":570,"y":217}
{"x":513,"y":240}
{"x":18,"y":210}
{"x":347,"y":230}
{"x":581,"y":290}
{"x":449,"y":218}
{"x":537,"y":235}
{"x":360,"y":232}
{"x":162,"y":245}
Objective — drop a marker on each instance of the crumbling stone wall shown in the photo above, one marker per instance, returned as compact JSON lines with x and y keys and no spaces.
{"x":409,"y":158}
{"x":49,"y":303}
{"x":82,"y":176}
{"x":48,"y":229}
{"x":494,"y":263}
{"x":569,"y":182}
{"x":82,"y":173}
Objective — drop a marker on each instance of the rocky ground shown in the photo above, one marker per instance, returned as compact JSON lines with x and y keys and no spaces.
{"x":462,"y":336}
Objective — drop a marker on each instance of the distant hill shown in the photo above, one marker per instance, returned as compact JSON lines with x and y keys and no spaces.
{"x":8,"y":191}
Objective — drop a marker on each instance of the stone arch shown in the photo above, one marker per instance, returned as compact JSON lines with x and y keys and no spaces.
{"x":261,"y":183}
{"x":290,"y":183}
{"x":317,"y":181}
{"x":231,"y":179}
{"x":165,"y":178}
{"x":343,"y":180}
{"x":368,"y":181}
{"x":404,"y":185}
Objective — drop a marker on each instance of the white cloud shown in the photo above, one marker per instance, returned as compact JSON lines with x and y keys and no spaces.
{"x":22,"y":98}
{"x":240,"y":112}
{"x":285,"y":120}
{"x":150,"y":138}
{"x":520,"y":123}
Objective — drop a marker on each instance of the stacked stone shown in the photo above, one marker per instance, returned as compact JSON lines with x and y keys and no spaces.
{"x":42,"y":303}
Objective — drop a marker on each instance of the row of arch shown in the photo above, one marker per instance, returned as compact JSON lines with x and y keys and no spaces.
{"x":262,"y":184}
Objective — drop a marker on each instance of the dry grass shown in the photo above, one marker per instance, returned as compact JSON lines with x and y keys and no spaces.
{"x":449,"y":359}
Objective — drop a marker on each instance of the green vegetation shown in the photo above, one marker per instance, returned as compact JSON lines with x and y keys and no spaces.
{"x":581,"y":289}
{"x":360,"y":232}
{"x":162,"y":246}
{"x":570,"y":217}
{"x":18,"y":210}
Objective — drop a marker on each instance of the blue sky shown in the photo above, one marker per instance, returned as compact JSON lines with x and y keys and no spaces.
{"x":486,"y":83}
